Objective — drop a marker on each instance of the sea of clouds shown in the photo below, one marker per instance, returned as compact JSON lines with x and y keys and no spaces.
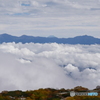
{"x":32,"y":66}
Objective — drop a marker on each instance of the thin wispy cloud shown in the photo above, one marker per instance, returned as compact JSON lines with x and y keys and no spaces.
{"x":45,"y":17}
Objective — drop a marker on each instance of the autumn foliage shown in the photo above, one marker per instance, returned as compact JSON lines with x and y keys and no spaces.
{"x":47,"y":94}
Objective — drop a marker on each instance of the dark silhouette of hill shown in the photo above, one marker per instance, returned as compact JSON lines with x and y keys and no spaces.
{"x":85,"y":39}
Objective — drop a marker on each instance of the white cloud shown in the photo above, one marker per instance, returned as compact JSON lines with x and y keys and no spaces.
{"x":24,"y":60}
{"x":32,"y":66}
{"x":35,"y":3}
{"x":11,"y":49}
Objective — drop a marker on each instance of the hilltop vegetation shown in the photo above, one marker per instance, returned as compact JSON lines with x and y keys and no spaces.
{"x":46,"y":94}
{"x":41,"y":94}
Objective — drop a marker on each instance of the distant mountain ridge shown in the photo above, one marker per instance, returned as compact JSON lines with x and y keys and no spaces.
{"x":85,"y":39}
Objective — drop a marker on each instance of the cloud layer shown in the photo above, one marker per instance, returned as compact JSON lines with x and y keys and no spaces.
{"x":32,"y":66}
{"x":46,"y":6}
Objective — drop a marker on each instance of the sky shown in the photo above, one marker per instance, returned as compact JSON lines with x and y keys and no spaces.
{"x":32,"y":66}
{"x":61,"y":18}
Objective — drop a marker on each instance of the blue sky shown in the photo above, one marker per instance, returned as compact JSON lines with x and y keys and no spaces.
{"x":61,"y":18}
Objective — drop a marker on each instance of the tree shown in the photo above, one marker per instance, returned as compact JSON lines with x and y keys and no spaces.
{"x":80,"y":88}
{"x":97,"y":87}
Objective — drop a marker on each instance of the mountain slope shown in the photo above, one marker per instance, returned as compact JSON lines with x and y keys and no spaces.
{"x":27,"y":39}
